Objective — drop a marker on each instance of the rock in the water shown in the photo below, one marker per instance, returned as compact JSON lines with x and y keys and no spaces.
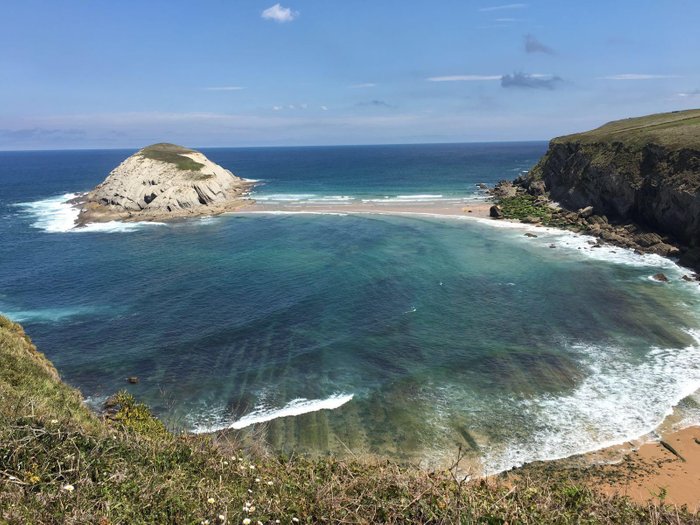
{"x":496,"y":212}
{"x":161,"y":182}
{"x":528,"y":234}
{"x":132,"y":380}
{"x":660,"y":277}
{"x":648,"y":239}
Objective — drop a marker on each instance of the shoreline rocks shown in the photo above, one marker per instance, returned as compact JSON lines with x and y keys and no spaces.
{"x":633,"y":183}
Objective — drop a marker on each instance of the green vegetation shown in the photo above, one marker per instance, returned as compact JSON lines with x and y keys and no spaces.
{"x":172,"y":154}
{"x":527,"y":208}
{"x":678,"y":129}
{"x":61,"y":464}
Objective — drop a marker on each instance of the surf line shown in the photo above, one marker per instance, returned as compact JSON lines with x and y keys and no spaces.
{"x":296,"y":407}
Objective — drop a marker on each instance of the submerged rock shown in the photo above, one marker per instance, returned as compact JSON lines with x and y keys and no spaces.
{"x":660,"y":277}
{"x":164,"y":181}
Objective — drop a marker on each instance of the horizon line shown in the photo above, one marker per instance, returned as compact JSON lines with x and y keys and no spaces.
{"x":270,"y":146}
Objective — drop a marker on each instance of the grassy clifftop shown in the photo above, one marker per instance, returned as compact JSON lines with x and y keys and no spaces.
{"x":172,"y":154}
{"x":679,"y":129}
{"x":59,"y":463}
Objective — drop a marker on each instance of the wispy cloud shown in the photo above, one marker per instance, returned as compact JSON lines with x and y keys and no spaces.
{"x":363,"y":85}
{"x":279,"y":14}
{"x":689,"y":94}
{"x":375,"y":103}
{"x":463,"y":78}
{"x":532,"y":45}
{"x":223,"y":88}
{"x":502,"y":7}
{"x":636,"y":76}
{"x":530,"y":81}
{"x":324,"y":108}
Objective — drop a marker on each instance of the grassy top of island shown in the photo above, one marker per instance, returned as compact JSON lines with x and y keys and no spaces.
{"x":59,"y":462}
{"x":677,"y":129}
{"x":172,"y":154}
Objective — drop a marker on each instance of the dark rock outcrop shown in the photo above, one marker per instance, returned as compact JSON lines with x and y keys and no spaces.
{"x":644,"y":170}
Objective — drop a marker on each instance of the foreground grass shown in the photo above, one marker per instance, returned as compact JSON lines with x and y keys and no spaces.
{"x":61,"y":464}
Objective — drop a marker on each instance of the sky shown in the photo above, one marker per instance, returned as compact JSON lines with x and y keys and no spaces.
{"x":78,"y":74}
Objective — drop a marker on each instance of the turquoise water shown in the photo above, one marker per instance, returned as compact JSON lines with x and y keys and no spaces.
{"x":397,"y":336}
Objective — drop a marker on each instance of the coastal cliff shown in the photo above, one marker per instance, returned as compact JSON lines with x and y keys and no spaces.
{"x":641,"y":174}
{"x":161,"y":182}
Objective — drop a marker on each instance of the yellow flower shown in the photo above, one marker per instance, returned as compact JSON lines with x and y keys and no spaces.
{"x":246,"y":521}
{"x":270,"y":483}
{"x":211,"y":500}
{"x":68,"y":488}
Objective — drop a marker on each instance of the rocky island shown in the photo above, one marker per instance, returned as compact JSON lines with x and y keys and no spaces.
{"x":633,"y":182}
{"x":162,"y":182}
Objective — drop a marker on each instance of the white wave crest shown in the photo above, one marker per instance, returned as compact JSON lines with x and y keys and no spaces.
{"x":296,"y":407}
{"x":58,"y":215}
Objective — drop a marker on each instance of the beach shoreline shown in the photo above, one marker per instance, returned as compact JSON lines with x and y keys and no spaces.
{"x":465,"y":208}
{"x":664,"y":468}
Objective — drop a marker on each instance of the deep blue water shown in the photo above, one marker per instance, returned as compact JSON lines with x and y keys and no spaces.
{"x":399,"y":336}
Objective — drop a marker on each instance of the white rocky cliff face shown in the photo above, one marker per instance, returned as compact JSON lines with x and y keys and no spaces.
{"x":164,"y":181}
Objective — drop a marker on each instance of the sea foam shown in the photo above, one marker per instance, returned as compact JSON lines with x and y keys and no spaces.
{"x":617,"y":402}
{"x":296,"y":407}
{"x":58,"y":215}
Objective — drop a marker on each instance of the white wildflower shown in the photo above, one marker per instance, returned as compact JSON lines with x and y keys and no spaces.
{"x":68,"y":488}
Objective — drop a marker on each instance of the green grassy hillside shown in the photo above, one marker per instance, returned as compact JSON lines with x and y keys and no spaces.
{"x":679,"y":129}
{"x":59,"y":463}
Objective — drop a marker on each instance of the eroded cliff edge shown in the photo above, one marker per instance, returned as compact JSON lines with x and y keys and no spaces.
{"x":642,"y":171}
{"x":161,"y":182}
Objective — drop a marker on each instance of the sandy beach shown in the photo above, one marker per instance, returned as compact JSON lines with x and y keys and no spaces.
{"x":473,"y":209}
{"x":653,"y":471}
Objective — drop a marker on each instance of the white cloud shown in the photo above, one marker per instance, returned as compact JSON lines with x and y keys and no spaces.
{"x":363,"y":85}
{"x":463,"y":78}
{"x":691,"y":94}
{"x":224,"y":88}
{"x":276,"y":108}
{"x":324,"y":108}
{"x":636,"y":76}
{"x":502,"y":7}
{"x":279,"y":14}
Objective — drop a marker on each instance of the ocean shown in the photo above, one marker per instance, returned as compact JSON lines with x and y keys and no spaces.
{"x":398,"y":336}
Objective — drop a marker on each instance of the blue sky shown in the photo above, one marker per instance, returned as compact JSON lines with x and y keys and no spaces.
{"x":90,"y":74}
